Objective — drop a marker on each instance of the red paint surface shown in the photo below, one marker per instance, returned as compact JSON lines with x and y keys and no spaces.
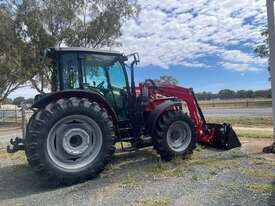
{"x":185,"y":95}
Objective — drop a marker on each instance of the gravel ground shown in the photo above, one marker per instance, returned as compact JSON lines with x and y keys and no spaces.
{"x":208,"y":177}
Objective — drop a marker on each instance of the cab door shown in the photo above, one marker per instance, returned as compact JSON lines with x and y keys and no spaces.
{"x":119,"y":87}
{"x":105,"y":74}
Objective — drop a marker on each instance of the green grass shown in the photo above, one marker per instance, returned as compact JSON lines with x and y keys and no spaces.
{"x":154,"y":202}
{"x":254,"y":187}
{"x":165,"y":169}
{"x":258,"y":172}
{"x":262,"y":122}
{"x":260,"y":187}
{"x":254,"y":134}
{"x":230,"y":185}
{"x":237,"y":103}
{"x":180,"y":167}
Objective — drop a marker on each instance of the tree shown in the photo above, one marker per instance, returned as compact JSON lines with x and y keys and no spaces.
{"x":18,"y":100}
{"x":37,"y":24}
{"x":226,"y":94}
{"x":8,"y":101}
{"x":250,"y":94}
{"x":13,"y":75}
{"x":206,"y":96}
{"x":29,"y":101}
{"x":241,"y":94}
{"x":262,"y":49}
{"x":166,"y":79}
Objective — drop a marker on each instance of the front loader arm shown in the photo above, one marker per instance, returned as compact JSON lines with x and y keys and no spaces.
{"x":217,"y":135}
{"x":187,"y":95}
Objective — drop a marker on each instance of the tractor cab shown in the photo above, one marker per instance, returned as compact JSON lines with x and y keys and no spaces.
{"x":96,"y":70}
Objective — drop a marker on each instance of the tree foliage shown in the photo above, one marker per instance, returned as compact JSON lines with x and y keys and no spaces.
{"x":262,"y":49}
{"x":18,"y":100}
{"x":29,"y":26}
{"x":13,"y":76}
{"x":166,"y":79}
{"x":230,"y":94}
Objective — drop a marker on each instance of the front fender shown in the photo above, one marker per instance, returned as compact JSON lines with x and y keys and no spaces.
{"x":155,"y":114}
{"x":42,"y":100}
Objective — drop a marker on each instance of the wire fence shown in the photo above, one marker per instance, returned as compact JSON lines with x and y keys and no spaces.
{"x":14,"y":115}
{"x":237,"y":103}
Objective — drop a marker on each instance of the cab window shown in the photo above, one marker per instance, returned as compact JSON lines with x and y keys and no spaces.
{"x":70,"y":70}
{"x":94,"y":75}
{"x":117,"y":77}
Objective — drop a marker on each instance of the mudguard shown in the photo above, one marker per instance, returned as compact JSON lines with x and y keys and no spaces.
{"x":41,"y":101}
{"x":154,"y":115}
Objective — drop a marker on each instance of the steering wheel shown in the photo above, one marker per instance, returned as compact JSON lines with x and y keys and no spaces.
{"x":100,"y":85}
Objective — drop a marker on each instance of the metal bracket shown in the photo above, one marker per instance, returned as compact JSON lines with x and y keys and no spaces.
{"x":16,"y":145}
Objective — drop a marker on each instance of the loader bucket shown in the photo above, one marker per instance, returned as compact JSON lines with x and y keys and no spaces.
{"x":224,"y":136}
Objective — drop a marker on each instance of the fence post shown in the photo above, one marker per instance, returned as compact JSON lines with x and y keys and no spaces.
{"x":23,"y":121}
{"x":15,"y":114}
{"x":3,"y":115}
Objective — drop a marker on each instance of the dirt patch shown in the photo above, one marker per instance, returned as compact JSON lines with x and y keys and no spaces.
{"x":254,"y":146}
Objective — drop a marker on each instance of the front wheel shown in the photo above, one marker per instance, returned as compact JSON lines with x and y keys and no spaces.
{"x":174,"y":135}
{"x":70,"y":140}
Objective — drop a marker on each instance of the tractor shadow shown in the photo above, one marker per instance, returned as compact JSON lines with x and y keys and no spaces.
{"x":20,"y":181}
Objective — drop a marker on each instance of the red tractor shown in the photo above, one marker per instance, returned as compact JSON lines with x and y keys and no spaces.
{"x":72,"y":134}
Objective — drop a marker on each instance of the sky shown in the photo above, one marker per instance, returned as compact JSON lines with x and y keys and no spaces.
{"x":205,"y":44}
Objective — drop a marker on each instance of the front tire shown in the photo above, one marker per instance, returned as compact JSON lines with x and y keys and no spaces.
{"x":70,"y":140}
{"x":174,"y":135}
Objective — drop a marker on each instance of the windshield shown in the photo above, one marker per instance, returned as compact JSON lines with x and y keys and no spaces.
{"x":94,"y":69}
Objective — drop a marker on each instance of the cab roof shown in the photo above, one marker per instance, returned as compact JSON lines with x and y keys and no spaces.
{"x":82,"y":49}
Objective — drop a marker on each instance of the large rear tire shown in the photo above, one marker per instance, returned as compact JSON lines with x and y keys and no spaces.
{"x":70,"y":141}
{"x":174,"y":135}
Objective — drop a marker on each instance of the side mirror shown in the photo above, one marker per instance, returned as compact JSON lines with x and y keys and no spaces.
{"x":136,"y":59}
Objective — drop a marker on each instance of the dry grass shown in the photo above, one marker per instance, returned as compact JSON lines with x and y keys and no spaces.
{"x":154,"y":202}
{"x":254,"y":134}
{"x":15,"y":156}
{"x":258,"y":173}
{"x":262,"y":122}
{"x":130,"y":180}
{"x":180,"y":166}
{"x":174,"y":168}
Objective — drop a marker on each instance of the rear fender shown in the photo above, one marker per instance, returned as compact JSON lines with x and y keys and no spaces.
{"x":156,"y":113}
{"x":42,"y":100}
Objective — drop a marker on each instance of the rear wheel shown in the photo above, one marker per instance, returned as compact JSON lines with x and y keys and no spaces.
{"x":174,"y":135}
{"x":70,"y":140}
